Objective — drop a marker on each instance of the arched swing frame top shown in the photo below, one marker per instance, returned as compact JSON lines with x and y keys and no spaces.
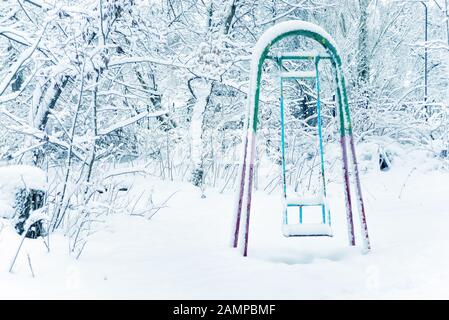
{"x":272,"y":36}
{"x":289,"y":29}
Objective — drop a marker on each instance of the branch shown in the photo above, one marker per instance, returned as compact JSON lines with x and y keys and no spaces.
{"x":20,"y":61}
{"x":38,"y":134}
{"x":39,"y":4}
{"x":15,"y":35}
{"x":131,"y":120}
{"x":14,"y":95}
{"x":22,"y":151}
{"x":117,"y":61}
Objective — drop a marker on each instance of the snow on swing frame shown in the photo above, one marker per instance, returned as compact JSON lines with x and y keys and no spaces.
{"x":274,"y":34}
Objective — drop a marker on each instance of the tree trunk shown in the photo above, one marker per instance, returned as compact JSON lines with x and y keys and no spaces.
{"x":40,"y":118}
{"x":28,"y":200}
{"x":363,"y":65}
{"x":202,"y":90}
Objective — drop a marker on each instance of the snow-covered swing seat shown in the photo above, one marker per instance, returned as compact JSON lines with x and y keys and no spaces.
{"x":242,"y":212}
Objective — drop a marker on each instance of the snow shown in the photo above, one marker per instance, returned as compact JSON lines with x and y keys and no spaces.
{"x":35,"y":216}
{"x":312,"y":200}
{"x":23,"y":176}
{"x":311,"y":54}
{"x":15,"y":177}
{"x":6,"y":209}
{"x":183,"y":251}
{"x":113,"y":64}
{"x":284,"y":27}
{"x":298,"y":74}
{"x":306,"y":229}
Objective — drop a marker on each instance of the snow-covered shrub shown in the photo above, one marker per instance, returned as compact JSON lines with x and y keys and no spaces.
{"x":22,"y":193}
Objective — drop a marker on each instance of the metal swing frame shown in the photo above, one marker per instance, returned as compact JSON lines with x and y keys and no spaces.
{"x":241,"y":221}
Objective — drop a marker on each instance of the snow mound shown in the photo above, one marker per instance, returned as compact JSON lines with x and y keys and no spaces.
{"x":13,"y":178}
{"x":310,"y":200}
{"x":310,"y":229}
{"x":22,"y":176}
{"x":6,"y":210}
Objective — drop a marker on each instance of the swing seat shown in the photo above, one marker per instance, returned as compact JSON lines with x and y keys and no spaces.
{"x":307,"y":230}
{"x":296,"y":201}
{"x":298,"y":74}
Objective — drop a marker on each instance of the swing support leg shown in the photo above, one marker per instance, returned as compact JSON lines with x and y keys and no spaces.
{"x":360,"y":204}
{"x":246,"y":217}
{"x":240,"y":196}
{"x":355,"y":169}
{"x":345,"y":167}
{"x":347,"y":192}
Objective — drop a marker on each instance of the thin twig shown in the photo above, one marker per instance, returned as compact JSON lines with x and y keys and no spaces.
{"x":20,"y":246}
{"x":29,"y":263}
{"x":162,"y":204}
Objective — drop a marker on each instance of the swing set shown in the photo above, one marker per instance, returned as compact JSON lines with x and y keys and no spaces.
{"x":243,"y":200}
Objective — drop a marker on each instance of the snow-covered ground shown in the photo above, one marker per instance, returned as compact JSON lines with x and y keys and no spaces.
{"x":183,"y":251}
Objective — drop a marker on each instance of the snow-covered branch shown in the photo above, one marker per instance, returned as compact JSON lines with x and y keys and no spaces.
{"x":118,"y":61}
{"x":130,"y":121}
{"x":20,"y":61}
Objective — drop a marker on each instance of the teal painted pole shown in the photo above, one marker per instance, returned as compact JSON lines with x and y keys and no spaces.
{"x":344,"y":152}
{"x":320,"y":133}
{"x":320,"y":129}
{"x":284,"y":178}
{"x":358,"y":187}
